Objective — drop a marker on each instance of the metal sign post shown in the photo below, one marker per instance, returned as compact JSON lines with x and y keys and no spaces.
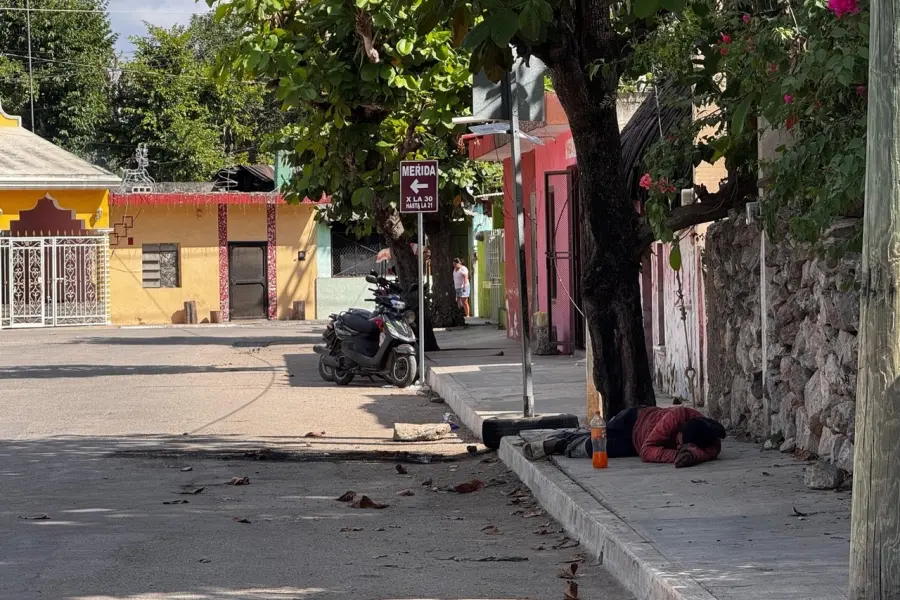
{"x":419,"y":194}
{"x":527,"y":382}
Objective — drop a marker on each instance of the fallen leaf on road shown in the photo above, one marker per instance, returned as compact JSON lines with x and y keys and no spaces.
{"x":315,"y":434}
{"x":176,"y":502}
{"x":540,"y":548}
{"x":192,"y":492}
{"x":469,"y":487}
{"x":493,"y":482}
{"x":767,"y":474}
{"x":346,"y":497}
{"x":516,"y":501}
{"x":366,"y":502}
{"x":241,"y":520}
{"x":401,"y":470}
{"x":380,"y":529}
{"x":797,"y":513}
{"x":564,"y":543}
{"x":349,"y":529}
{"x":186,"y":469}
{"x":531,"y":515}
{"x":204,"y":560}
{"x":517,"y":512}
{"x":406,"y":493}
{"x":503,"y":559}
{"x":569,"y":571}
{"x":490,"y":460}
{"x":41,"y":517}
{"x":239,"y":481}
{"x":699,"y":481}
{"x":427,"y":482}
{"x":571,"y":591}
{"x":490,"y":530}
{"x":516,"y":492}
{"x":542,"y":531}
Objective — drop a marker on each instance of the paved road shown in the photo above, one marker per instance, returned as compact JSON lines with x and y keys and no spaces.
{"x":75,"y":402}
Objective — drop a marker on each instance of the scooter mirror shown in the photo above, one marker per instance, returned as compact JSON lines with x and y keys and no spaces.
{"x":372,"y":279}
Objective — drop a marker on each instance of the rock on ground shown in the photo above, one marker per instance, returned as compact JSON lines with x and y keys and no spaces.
{"x":822,"y":475}
{"x":411,"y":432}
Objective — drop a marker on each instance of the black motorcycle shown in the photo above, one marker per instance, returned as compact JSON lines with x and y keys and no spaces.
{"x":382,"y":346}
{"x":383,"y":287}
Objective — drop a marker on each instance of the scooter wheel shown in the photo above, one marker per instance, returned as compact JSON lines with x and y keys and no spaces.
{"x":325,"y":372}
{"x":404,"y":370}
{"x":342,"y":377}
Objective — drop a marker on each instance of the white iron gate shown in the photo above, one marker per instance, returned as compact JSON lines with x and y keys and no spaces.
{"x":495,"y":245}
{"x":54,"y":281}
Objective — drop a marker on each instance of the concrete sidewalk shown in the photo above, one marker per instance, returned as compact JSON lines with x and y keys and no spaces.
{"x":743,"y":527}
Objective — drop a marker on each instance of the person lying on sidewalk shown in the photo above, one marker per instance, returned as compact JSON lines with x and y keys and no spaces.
{"x":678,"y":435}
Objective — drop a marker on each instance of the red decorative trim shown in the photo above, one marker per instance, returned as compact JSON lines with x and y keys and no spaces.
{"x":224,"y":302}
{"x":47,"y":217}
{"x":271,"y":265}
{"x":220,"y":198}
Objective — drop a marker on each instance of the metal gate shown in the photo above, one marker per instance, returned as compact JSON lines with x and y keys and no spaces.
{"x":563,"y":285}
{"x":54,"y":281}
{"x":495,"y":246}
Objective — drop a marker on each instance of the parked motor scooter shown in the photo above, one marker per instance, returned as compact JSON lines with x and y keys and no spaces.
{"x":383,"y":287}
{"x":383,"y":346}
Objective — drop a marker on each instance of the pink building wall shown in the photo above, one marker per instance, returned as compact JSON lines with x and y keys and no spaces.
{"x":555,"y":155}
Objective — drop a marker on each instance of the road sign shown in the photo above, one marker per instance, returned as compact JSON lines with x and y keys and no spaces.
{"x":419,"y":186}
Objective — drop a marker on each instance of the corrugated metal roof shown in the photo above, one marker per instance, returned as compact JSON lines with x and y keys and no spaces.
{"x":28,"y":161}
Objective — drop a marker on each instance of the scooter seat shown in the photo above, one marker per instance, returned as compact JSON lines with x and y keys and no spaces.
{"x":360,"y":324}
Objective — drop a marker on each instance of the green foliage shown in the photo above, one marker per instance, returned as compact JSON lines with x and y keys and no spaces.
{"x":167,"y":98}
{"x":802,"y":69}
{"x":371,"y":89}
{"x":72,"y":54}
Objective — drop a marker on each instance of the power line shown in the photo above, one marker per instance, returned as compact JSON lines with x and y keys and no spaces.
{"x":98,"y":11}
{"x":150,"y":71}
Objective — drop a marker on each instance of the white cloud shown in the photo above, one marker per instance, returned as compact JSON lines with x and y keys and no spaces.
{"x":163,"y":13}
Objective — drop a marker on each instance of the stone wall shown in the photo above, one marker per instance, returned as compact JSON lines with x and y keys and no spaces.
{"x":811,"y":346}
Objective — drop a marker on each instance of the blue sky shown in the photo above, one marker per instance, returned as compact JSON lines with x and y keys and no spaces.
{"x":164,"y":13}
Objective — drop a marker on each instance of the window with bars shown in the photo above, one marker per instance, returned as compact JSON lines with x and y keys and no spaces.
{"x":160,"y":266}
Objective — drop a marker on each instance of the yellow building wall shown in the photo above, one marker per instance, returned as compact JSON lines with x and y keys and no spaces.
{"x":295,"y":230}
{"x":84,"y":202}
{"x":247,"y":223}
{"x":195,"y":230}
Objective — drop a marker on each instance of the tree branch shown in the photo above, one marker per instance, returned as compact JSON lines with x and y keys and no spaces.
{"x":734,"y":193}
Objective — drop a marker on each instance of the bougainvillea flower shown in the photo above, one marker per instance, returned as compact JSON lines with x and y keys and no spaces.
{"x":726,"y":39}
{"x":860,"y":90}
{"x":746,"y":18}
{"x":788,"y":98}
{"x":646,"y":181}
{"x":843,"y":7}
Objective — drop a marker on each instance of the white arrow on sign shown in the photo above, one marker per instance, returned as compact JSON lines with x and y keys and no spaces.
{"x":416,"y":186}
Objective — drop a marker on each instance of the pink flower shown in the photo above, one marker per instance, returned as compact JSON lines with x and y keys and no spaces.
{"x":860,"y":90}
{"x":646,"y":181}
{"x":746,"y":18}
{"x":726,"y":39}
{"x":788,"y":98}
{"x":723,"y":50}
{"x":843,"y":7}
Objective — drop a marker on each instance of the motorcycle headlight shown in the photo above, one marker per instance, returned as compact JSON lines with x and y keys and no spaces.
{"x":410,"y":317}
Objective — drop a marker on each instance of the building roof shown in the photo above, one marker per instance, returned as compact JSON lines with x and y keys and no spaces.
{"x":28,"y":161}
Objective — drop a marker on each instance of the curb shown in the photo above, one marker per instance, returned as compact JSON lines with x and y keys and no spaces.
{"x":623,"y":551}
{"x":457,"y":397}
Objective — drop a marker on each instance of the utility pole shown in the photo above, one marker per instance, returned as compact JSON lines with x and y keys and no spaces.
{"x":30,"y":68}
{"x":875,"y":522}
{"x":512,"y":87}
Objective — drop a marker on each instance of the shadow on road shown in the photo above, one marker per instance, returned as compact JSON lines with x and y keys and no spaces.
{"x":236,"y":341}
{"x":80,"y":371}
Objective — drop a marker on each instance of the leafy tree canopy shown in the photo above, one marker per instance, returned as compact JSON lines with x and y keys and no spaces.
{"x":372,"y":91}
{"x":72,"y":56}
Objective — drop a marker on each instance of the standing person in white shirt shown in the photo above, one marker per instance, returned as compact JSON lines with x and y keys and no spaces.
{"x":461,"y":283}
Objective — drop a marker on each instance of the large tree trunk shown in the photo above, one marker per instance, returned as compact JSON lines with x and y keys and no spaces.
{"x":390,"y":225}
{"x":612,"y":300}
{"x":444,"y":309}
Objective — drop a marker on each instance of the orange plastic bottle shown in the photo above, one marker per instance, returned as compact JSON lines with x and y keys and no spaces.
{"x":598,"y":441}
